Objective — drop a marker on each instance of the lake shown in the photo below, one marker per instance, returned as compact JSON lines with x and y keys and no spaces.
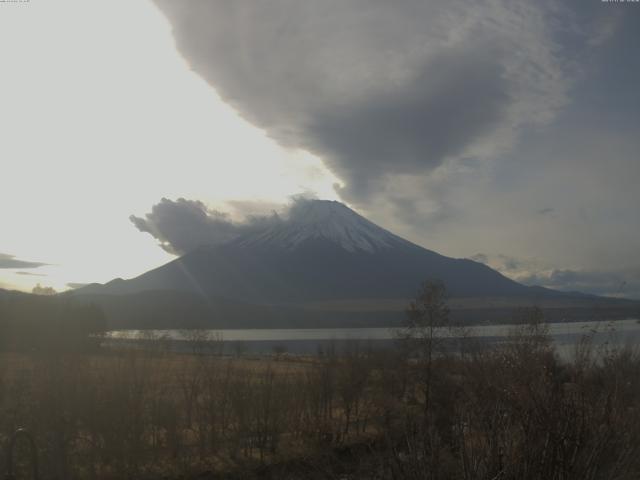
{"x":301,"y":341}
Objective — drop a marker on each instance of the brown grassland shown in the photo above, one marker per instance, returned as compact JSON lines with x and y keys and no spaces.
{"x":430,"y":408}
{"x":514,"y":411}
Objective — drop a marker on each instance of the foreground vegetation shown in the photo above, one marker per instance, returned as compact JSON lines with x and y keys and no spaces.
{"x":512,"y":412}
{"x":49,"y":324}
{"x":430,"y":408}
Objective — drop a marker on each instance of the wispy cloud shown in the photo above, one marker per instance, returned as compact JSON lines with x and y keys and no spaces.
{"x":624,"y":282}
{"x":10,"y":261}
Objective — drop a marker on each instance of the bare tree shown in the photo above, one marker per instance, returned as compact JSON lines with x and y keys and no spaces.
{"x":426,"y":323}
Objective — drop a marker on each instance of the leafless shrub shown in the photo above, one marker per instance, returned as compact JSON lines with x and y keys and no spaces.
{"x":516,"y":411}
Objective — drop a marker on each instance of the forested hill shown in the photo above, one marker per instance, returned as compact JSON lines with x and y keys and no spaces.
{"x":45,"y":323}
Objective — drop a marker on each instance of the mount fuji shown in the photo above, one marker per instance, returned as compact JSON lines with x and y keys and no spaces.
{"x":322,"y":265}
{"x":326,"y":251}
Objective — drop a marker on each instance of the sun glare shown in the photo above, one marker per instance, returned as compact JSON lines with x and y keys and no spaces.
{"x":101,"y":118}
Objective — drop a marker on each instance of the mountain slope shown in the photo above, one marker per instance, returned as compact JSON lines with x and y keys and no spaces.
{"x":323,"y":251}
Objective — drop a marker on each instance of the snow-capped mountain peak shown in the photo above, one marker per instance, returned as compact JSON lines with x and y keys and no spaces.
{"x":328,"y":220}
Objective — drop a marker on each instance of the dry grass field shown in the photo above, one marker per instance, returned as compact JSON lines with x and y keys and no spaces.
{"x":512,"y":412}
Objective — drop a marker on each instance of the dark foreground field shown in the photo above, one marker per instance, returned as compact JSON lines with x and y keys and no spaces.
{"x":514,"y":412}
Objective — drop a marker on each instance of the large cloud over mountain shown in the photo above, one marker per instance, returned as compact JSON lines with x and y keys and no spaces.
{"x":381,"y":89}
{"x":184,"y":225}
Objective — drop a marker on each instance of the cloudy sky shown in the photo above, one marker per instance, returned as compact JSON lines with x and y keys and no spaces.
{"x":505,"y":131}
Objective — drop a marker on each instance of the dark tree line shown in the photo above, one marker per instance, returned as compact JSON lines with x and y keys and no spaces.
{"x":41,"y":323}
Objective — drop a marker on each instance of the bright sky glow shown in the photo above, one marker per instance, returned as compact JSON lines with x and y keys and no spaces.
{"x":100,"y":118}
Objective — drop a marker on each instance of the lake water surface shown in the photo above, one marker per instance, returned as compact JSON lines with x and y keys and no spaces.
{"x":305,"y":340}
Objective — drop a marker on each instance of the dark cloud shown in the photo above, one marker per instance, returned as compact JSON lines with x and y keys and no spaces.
{"x":31,"y":274}
{"x":381,"y":89}
{"x":456,"y":100}
{"x":9,"y":261}
{"x":184,"y":225}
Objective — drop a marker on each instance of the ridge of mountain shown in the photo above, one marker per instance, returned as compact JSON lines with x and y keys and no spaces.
{"x":322,"y":251}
